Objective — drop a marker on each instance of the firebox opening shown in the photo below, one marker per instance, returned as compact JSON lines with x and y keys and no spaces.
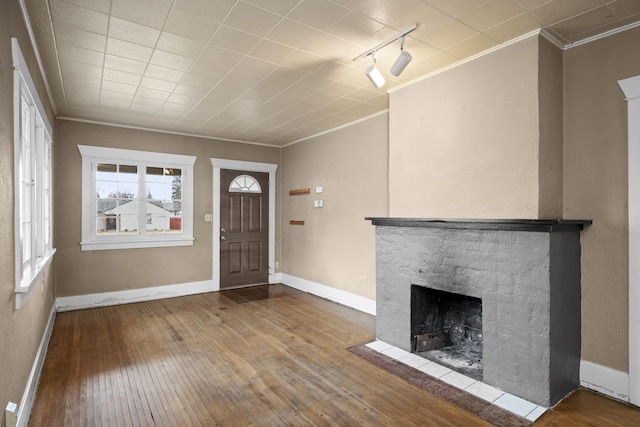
{"x":447,"y":328}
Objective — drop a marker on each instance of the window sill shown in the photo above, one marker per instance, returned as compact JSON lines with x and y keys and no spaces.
{"x":23,"y":291}
{"x":136,"y":244}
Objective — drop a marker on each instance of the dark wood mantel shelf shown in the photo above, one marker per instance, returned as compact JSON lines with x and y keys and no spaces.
{"x":540,"y":225}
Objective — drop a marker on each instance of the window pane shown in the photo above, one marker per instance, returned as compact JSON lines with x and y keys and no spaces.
{"x":106,"y":224}
{"x":127,"y":190}
{"x":128,"y":173}
{"x":245,"y":184}
{"x":26,"y":119}
{"x":155,"y":171}
{"x":26,"y":241}
{"x":128,"y":224}
{"x":164,"y":200}
{"x":106,"y":168}
{"x":106,"y":180}
{"x":116,"y":191}
{"x":156,"y":191}
{"x":116,"y":181}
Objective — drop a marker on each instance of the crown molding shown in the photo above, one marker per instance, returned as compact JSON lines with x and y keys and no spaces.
{"x":36,"y":52}
{"x":602,"y":35}
{"x":315,"y":135}
{"x":194,"y":135}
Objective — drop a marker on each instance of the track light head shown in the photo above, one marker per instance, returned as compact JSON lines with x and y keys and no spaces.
{"x":402,"y":61}
{"x":374,"y":74}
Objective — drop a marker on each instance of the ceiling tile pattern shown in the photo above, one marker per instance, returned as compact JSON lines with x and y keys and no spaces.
{"x":272,"y":71}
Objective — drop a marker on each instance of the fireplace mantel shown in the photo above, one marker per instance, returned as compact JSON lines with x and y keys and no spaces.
{"x":539,"y":225}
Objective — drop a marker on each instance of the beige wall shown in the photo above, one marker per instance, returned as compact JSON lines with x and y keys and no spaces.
{"x":20,"y":330}
{"x":464,"y":143}
{"x":550,"y":105}
{"x":529,"y":132}
{"x":595,"y":186}
{"x":80,"y":273}
{"x":336,"y":246}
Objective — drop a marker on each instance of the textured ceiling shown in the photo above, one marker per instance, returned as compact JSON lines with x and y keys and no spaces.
{"x":272,"y":71}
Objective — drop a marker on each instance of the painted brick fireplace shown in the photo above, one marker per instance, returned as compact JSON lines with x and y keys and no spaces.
{"x":526,"y":273}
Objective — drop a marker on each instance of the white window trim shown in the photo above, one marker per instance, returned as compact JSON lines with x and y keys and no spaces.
{"x":92,"y":155}
{"x":25,"y":280}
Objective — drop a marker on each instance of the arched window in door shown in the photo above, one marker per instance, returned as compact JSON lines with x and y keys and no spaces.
{"x":245,"y":184}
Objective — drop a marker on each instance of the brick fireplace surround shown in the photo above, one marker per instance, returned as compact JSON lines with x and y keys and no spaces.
{"x":527,"y":274}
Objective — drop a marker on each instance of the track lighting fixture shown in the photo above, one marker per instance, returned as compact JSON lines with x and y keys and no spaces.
{"x":399,"y":65}
{"x":402,"y":61}
{"x":374,"y":74}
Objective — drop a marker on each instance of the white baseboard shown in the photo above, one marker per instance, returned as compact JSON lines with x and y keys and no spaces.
{"x":275,"y":278}
{"x":604,"y":380}
{"x":34,"y":376}
{"x":134,"y":295}
{"x":336,"y":295}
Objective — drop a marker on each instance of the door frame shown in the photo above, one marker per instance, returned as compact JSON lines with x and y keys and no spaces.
{"x":241,"y":165}
{"x":631,"y":89}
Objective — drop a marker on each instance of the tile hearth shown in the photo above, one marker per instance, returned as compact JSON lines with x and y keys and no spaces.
{"x":520,"y":407}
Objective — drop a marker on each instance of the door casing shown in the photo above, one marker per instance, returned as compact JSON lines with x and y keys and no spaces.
{"x":631,"y":89}
{"x":269,"y":168}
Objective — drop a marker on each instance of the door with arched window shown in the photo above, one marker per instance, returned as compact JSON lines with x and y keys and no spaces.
{"x":244,"y":234}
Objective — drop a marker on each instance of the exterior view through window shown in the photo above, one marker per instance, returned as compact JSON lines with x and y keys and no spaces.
{"x":135,"y":199}
{"x":118,"y":204}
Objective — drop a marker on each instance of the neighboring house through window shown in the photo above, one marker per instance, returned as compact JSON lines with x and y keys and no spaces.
{"x":135,"y":199}
{"x":32,"y":170}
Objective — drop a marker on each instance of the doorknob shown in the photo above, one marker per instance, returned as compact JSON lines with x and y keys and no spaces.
{"x":223,"y":238}
{"x":222,"y":230}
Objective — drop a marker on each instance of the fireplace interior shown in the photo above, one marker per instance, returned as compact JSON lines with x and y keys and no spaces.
{"x":447,"y":328}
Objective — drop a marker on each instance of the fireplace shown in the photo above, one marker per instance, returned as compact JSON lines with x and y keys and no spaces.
{"x":521,"y":276}
{"x":447,"y":328}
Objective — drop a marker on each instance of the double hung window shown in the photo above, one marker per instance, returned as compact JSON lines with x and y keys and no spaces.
{"x":33,"y":171}
{"x":135,"y":199}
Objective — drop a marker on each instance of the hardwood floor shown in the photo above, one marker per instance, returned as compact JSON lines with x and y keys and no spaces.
{"x":259,"y":356}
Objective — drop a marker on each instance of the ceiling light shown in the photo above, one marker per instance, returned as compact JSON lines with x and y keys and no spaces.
{"x":374,"y":74}
{"x":405,"y":57}
{"x":403,"y":60}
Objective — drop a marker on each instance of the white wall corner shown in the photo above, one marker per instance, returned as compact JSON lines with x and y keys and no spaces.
{"x":24,"y":410}
{"x":604,"y":380}
{"x":345,"y":298}
{"x":134,"y":295}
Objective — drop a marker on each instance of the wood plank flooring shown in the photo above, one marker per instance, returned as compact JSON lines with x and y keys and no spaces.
{"x":264,"y":356}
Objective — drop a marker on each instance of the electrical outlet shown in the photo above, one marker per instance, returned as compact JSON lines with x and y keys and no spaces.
{"x":318,"y":203}
{"x":11,"y":415}
{"x":277,"y":264}
{"x":208,"y":217}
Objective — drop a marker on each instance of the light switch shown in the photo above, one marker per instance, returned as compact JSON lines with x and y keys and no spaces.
{"x":318,"y":203}
{"x":319,"y":190}
{"x":208,"y":217}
